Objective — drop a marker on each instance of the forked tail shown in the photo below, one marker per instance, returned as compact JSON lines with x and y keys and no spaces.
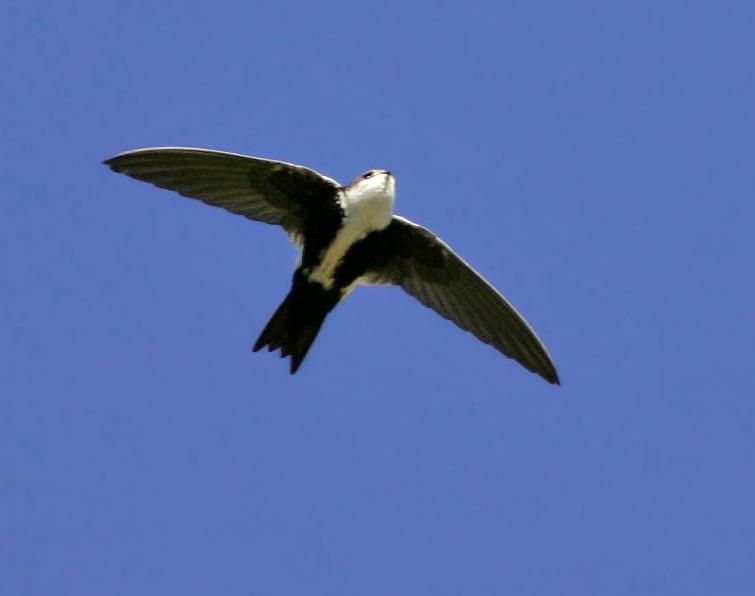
{"x":295,"y":325}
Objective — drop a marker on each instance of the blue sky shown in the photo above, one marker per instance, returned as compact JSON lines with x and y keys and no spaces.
{"x":594,"y":160}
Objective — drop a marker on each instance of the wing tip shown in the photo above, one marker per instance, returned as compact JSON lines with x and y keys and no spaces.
{"x":112,"y":162}
{"x":547,"y":372}
{"x":115,"y":163}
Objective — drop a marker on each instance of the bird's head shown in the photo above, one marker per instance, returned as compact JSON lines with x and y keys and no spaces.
{"x":372,"y":196}
{"x":374,"y":182}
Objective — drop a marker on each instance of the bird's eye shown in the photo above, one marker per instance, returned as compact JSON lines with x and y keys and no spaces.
{"x":367,"y":175}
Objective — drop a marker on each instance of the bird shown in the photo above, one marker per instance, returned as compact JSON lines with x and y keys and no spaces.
{"x":347,"y":236}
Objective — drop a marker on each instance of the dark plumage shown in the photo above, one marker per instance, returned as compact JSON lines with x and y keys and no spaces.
{"x":348,"y":236}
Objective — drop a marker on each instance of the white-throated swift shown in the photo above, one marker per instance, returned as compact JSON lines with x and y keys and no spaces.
{"x":348,"y":235}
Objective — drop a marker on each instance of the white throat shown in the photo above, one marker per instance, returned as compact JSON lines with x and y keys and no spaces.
{"x":370,"y":202}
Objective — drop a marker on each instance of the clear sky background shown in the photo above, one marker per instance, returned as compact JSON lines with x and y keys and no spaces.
{"x":594,"y":160}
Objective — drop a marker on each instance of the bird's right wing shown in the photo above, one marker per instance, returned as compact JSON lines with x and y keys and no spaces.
{"x":428,"y":269}
{"x":263,"y":190}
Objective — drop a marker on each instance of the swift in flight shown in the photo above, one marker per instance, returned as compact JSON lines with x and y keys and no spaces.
{"x":348,"y":235}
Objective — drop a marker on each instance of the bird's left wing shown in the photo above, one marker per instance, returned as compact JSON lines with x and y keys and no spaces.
{"x":427,"y":268}
{"x":260,"y":189}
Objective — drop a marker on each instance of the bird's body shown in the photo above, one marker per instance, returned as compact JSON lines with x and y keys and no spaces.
{"x":367,"y":206}
{"x":348,"y":236}
{"x":320,"y":281}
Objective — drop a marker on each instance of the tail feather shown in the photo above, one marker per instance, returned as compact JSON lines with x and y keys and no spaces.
{"x":297,"y":321}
